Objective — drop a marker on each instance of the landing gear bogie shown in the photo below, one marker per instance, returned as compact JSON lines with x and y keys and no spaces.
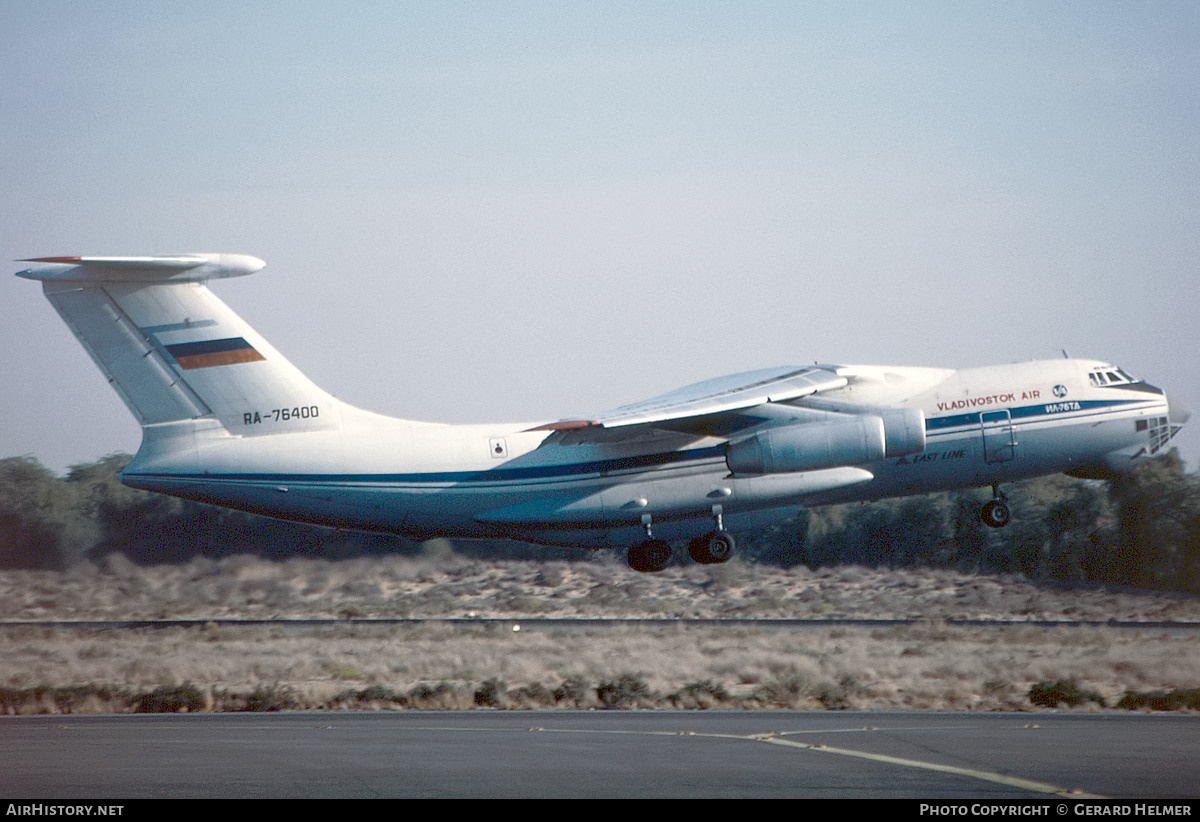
{"x":649,"y":556}
{"x":652,"y":554}
{"x":712,"y":548}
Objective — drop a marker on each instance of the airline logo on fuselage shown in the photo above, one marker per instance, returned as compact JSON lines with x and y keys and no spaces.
{"x":990,"y":399}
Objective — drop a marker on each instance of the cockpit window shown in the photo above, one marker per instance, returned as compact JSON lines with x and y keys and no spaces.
{"x":1109,"y":376}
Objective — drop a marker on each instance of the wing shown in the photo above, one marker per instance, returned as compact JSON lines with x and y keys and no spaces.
{"x":701,"y":402}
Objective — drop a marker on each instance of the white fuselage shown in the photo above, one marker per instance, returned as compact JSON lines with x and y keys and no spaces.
{"x":983,"y":426}
{"x":226,"y":419}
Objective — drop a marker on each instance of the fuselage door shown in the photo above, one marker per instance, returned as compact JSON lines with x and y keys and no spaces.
{"x":999,"y":444}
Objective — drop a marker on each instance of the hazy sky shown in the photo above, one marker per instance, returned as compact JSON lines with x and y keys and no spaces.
{"x":485,"y":211}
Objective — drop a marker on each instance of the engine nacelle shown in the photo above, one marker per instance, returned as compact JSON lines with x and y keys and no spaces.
{"x":840,"y":440}
{"x":904,"y":430}
{"x":808,"y":447}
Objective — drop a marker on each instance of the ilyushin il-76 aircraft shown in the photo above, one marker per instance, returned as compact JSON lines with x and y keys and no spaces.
{"x":227,"y":420}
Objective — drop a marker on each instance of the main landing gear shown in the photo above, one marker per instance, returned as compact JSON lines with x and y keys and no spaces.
{"x":995,"y":513}
{"x":712,"y":548}
{"x":655,"y":554}
{"x":649,"y":556}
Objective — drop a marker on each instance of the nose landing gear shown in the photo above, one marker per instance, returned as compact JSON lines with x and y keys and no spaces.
{"x":996,"y":513}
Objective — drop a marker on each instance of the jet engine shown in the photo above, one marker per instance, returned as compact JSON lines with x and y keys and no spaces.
{"x":842,"y":439}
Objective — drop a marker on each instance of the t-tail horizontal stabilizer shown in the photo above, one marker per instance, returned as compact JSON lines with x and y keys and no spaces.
{"x":174,"y":351}
{"x":174,"y":268}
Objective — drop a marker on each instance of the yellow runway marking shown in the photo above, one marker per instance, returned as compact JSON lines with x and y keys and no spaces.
{"x":974,"y":773}
{"x":776,"y":738}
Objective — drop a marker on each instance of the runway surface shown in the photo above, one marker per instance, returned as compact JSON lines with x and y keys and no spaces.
{"x":1043,"y":757}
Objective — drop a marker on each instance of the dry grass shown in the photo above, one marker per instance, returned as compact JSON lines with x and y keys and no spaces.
{"x":931,"y":665}
{"x":248,"y":587}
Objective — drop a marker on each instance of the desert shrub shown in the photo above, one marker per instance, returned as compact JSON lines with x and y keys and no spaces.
{"x":787,"y":690}
{"x":490,"y":694}
{"x":171,"y":699}
{"x":273,"y":697}
{"x":1177,"y":699}
{"x":535,"y":693}
{"x":699,"y":694}
{"x":837,"y":696}
{"x":65,"y":699}
{"x":373,"y":693}
{"x":628,"y":691}
{"x":11,"y":699}
{"x":572,"y":691}
{"x":439,"y":696}
{"x":1049,"y":694}
{"x":425,"y":691}
{"x":68,"y":698}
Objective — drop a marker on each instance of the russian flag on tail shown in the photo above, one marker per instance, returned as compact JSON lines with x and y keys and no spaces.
{"x":208,"y":353}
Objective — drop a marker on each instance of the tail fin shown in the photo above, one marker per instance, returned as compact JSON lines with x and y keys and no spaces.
{"x":175,"y":352}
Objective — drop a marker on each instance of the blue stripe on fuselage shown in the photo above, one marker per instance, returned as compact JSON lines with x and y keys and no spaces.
{"x":1027,"y":413}
{"x":582,"y":470}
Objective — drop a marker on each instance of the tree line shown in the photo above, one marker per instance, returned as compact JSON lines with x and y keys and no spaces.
{"x":1141,"y":530}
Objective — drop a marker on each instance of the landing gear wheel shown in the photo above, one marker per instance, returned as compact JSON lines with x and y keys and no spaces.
{"x":649,"y":556}
{"x":713,"y":547}
{"x":995,"y":514}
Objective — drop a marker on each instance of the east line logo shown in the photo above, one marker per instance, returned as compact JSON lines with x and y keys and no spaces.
{"x":934,"y":457}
